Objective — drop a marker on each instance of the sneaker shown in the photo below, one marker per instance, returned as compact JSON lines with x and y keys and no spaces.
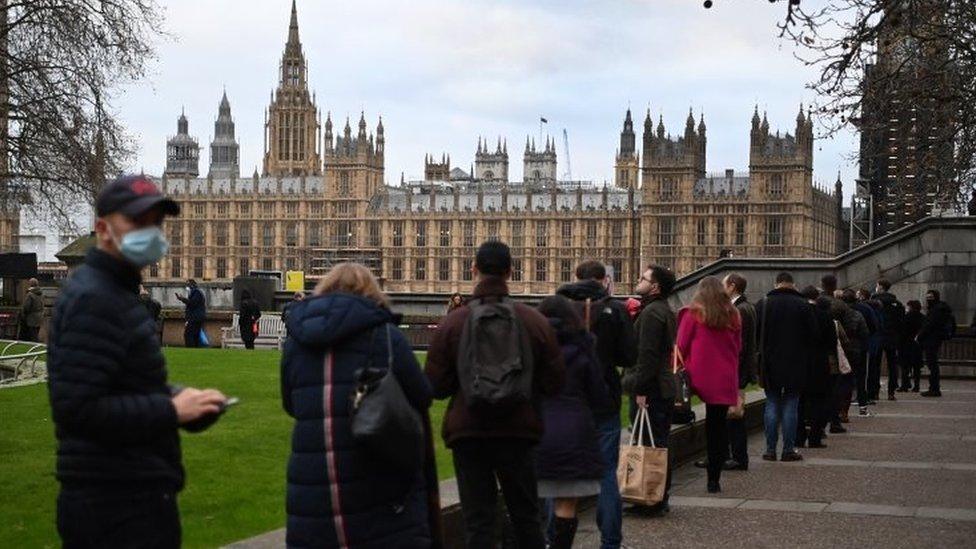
{"x":769,"y":456}
{"x":733,"y":465}
{"x":863,"y":412}
{"x":792,"y":456}
{"x":702,"y":464}
{"x":931,"y":393}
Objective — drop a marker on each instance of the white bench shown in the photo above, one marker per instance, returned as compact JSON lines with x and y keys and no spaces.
{"x":271,"y":333}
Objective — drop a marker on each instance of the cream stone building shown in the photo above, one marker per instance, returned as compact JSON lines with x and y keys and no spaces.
{"x":322,"y":198}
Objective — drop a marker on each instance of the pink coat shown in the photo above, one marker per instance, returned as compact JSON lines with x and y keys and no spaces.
{"x":711,"y":357}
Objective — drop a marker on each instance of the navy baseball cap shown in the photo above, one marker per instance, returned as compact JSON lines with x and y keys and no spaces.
{"x":132,"y":196}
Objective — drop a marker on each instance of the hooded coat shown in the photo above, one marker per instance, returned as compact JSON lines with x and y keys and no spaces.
{"x":340,"y":495}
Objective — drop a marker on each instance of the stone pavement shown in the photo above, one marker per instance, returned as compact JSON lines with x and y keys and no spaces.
{"x":904,"y":478}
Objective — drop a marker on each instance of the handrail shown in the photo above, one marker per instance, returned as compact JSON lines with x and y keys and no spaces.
{"x":24,"y":364}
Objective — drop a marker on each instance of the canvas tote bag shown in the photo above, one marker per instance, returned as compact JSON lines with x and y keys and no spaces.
{"x":642,"y":472}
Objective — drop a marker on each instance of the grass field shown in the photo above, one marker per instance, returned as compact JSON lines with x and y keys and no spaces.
{"x":235,"y":471}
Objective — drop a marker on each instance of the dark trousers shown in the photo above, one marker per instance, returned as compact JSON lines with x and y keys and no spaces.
{"x":191,"y":333}
{"x":813,"y":412}
{"x":29,"y":333}
{"x":247,"y":336}
{"x":738,"y":448}
{"x":932,"y":362}
{"x":481,"y":466}
{"x":716,"y":438}
{"x":911,"y":364}
{"x":874,"y":374}
{"x":139,"y":520}
{"x":890,"y":351}
{"x":859,"y":367}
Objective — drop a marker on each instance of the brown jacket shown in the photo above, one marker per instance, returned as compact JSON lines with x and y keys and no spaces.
{"x":441,"y":369}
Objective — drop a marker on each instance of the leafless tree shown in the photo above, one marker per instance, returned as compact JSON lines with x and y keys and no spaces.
{"x":60,"y":63}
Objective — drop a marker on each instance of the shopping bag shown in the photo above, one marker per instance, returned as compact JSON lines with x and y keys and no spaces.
{"x":204,"y":340}
{"x":642,"y":472}
{"x":739,"y":410}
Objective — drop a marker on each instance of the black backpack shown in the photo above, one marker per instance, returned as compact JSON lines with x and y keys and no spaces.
{"x":495,"y":362}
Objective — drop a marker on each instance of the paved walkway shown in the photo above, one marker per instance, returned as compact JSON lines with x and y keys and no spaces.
{"x":904,"y":478}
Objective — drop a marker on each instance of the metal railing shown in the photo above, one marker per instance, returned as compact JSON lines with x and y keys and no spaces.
{"x":22,"y":361}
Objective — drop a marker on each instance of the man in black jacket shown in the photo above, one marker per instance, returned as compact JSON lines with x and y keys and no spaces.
{"x":787,"y":334}
{"x":616,"y":347}
{"x":195,"y":313}
{"x":116,"y":421}
{"x":651,"y":380}
{"x":893,"y":319}
{"x":735,"y":286}
{"x":939,"y":326}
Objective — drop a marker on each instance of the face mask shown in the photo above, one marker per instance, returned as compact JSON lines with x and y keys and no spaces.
{"x":142,"y":247}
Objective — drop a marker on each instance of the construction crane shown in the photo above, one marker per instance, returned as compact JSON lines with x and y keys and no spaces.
{"x":569,"y":165}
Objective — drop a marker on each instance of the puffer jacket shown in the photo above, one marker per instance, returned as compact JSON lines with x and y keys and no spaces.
{"x":340,"y":495}
{"x":114,"y":419}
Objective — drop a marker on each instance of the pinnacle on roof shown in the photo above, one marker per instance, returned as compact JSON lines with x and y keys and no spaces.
{"x":799,"y":116}
{"x":755,"y":116}
{"x":627,"y":118}
{"x":293,"y":25}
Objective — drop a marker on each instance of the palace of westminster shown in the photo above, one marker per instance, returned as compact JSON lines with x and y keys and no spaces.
{"x":322,"y":198}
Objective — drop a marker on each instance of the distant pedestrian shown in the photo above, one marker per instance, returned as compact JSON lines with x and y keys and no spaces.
{"x":570,"y":466}
{"x":787,"y":335}
{"x":342,"y":494}
{"x":492,"y":429}
{"x":616,"y":348}
{"x":817,"y":404}
{"x":911,"y":351}
{"x":295,"y":299}
{"x":870,"y":309}
{"x":856,"y":340}
{"x":195,"y":313}
{"x":709,"y":339}
{"x":116,"y":417}
{"x":247,"y":319}
{"x":154,"y":308}
{"x":893,"y":318}
{"x":939,"y":326}
{"x":31,"y":312}
{"x":650,"y":382}
{"x":456,"y":301}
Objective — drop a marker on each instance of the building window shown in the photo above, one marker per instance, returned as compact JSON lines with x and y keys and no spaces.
{"x":154,"y":270}
{"x":720,"y":231}
{"x":316,"y":209}
{"x":468,"y":233}
{"x":566,"y":234}
{"x":373,"y":234}
{"x":291,"y":209}
{"x":617,"y":234}
{"x":443,"y":269}
{"x":541,"y":234}
{"x":541,"y":275}
{"x":221,"y":229}
{"x":176,"y":268}
{"x":518,"y":234}
{"x":665,"y":231}
{"x":291,"y":235}
{"x":421,"y":228}
{"x":516,"y":270}
{"x":197,"y":267}
{"x":267,"y":209}
{"x":267,"y":264}
{"x":244,"y":208}
{"x":396,"y":269}
{"x":291,"y":264}
{"x":702,"y":231}
{"x":774,"y":231}
{"x":314,"y":234}
{"x":244,"y":234}
{"x":617,"y":266}
{"x":176,"y":234}
{"x":199,"y":234}
{"x":591,"y":234}
{"x":243,"y":267}
{"x":199,"y":210}
{"x":445,"y":234}
{"x":267,"y":235}
{"x":344,"y":234}
{"x":466,"y":274}
{"x":221,"y":267}
{"x":344,"y":185}
{"x":420,"y":268}
{"x":740,"y":232}
{"x":776,"y":185}
{"x":669,"y":190}
{"x":494,"y":230}
{"x":565,"y":270}
{"x":222,"y":209}
{"x":398,"y":233}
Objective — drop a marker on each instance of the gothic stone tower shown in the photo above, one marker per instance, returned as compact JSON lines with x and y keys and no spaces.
{"x":627,"y":167}
{"x":291,"y":123}
{"x":539,"y":166}
{"x":437,"y":171}
{"x":224,"y":150}
{"x":491,"y":166}
{"x":353,"y":174}
{"x":182,"y":152}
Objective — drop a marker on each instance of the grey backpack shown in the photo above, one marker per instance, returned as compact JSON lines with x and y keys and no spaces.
{"x":495,"y":362}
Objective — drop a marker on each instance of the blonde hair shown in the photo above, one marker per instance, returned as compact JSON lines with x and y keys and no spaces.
{"x":713,"y":307}
{"x":352,"y":278}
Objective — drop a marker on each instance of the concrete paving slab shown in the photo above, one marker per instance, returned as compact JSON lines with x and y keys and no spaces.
{"x":852,"y":508}
{"x":946,"y":514}
{"x":937,"y":448}
{"x":793,"y":506}
{"x":912,"y":425}
{"x":694,"y":501}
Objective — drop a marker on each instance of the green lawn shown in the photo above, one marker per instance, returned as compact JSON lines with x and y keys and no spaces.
{"x":235,"y":471}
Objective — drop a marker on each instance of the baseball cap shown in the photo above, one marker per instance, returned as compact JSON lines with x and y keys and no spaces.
{"x":132,"y":196}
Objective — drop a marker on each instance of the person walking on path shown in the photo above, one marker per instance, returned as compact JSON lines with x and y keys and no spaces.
{"x":31,"y":312}
{"x":247,"y":319}
{"x":116,"y":419}
{"x":154,"y":308}
{"x":710,"y":339}
{"x":892,"y":319}
{"x":340,"y":493}
{"x":911,"y":351}
{"x":939,"y":326}
{"x":817,"y":403}
{"x":787,"y":336}
{"x":569,"y":464}
{"x":616,"y":348}
{"x":650,"y":382}
{"x":493,"y":442}
{"x":195,"y":313}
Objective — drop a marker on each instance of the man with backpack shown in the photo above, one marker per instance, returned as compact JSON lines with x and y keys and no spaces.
{"x":939,"y":326}
{"x":892,"y":321}
{"x":616,"y":347}
{"x":495,"y":359}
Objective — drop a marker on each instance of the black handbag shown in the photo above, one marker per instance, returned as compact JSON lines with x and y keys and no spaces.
{"x":383,"y":421}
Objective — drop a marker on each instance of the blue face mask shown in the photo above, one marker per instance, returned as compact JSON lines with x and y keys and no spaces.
{"x":144,"y":246}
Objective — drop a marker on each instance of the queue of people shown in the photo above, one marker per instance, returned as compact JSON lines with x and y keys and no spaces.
{"x":535,"y":394}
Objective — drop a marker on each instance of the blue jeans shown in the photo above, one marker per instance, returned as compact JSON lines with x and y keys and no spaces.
{"x":781,"y":408}
{"x":609,"y":506}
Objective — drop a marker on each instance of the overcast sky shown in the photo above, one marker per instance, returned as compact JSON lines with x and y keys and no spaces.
{"x":442,"y":73}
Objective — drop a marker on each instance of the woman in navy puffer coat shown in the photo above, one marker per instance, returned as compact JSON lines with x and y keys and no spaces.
{"x":340,"y":495}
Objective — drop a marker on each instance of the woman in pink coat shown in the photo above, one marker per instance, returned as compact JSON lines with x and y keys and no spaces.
{"x":709,"y":341}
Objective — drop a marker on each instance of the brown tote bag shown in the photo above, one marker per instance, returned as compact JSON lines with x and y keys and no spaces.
{"x":643,"y":471}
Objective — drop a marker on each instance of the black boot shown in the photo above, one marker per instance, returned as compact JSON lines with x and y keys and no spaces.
{"x":565,"y":531}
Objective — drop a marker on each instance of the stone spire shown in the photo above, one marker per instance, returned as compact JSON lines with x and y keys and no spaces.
{"x":293,"y":27}
{"x":224,"y":149}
